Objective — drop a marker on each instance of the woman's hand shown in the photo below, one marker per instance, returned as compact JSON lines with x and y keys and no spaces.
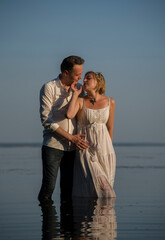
{"x":76,"y":90}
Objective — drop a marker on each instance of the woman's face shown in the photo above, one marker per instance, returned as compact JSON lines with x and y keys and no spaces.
{"x":90,"y":82}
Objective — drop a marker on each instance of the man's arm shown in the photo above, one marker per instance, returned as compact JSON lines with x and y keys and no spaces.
{"x":46,"y":103}
{"x":75,"y":139}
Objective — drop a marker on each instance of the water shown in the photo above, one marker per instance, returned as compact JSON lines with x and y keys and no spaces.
{"x":137,"y":213}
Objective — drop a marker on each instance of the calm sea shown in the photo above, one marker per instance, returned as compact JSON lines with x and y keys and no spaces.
{"x":138,"y":212}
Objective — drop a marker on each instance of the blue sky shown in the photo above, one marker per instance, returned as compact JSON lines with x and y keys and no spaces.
{"x":124,"y":39}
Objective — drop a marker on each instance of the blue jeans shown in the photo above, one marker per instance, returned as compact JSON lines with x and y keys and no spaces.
{"x":52,"y":159}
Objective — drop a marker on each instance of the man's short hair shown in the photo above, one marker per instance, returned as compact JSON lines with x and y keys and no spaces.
{"x":69,"y":62}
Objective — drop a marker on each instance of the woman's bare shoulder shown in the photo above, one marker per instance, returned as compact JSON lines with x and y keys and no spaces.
{"x":112,"y":101}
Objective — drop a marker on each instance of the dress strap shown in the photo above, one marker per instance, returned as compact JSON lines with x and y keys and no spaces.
{"x":109,"y":101}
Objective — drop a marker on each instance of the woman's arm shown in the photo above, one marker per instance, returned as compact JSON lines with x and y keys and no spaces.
{"x":110,"y":122}
{"x":74,"y":105}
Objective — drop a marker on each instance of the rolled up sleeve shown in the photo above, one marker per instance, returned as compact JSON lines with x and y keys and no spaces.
{"x":46,"y":104}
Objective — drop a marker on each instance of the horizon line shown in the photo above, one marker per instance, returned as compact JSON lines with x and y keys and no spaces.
{"x":117,"y":144}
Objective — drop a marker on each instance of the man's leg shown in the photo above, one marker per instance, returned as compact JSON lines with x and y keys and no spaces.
{"x":51,"y":159}
{"x":66,"y":175}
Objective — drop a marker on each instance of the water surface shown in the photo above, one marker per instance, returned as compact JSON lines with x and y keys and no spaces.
{"x":137,"y":213}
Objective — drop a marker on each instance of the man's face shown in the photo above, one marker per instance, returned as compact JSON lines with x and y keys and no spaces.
{"x":75,"y":74}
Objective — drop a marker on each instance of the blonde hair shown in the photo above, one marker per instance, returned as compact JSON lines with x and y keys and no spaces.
{"x":100,"y":88}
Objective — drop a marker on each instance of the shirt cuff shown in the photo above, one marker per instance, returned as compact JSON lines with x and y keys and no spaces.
{"x":54,"y":126}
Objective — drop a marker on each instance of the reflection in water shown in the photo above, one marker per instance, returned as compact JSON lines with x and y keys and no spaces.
{"x":95,"y":219}
{"x":82,"y":218}
{"x":50,"y":222}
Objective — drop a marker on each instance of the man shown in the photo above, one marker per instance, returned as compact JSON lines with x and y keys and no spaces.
{"x":59,"y":136}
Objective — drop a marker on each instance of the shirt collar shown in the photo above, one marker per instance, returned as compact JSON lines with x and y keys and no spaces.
{"x":60,"y":85}
{"x":58,"y":82}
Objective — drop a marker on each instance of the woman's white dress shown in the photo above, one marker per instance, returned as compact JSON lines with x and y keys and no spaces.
{"x":94,"y":169}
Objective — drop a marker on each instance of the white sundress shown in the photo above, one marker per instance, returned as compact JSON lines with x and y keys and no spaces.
{"x":94,"y":169}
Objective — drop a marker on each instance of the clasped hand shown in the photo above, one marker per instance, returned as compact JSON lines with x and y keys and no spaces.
{"x":79,"y":141}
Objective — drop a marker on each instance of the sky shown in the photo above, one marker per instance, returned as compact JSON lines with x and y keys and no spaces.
{"x":123,"y":39}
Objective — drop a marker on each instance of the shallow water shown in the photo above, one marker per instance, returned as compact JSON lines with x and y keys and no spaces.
{"x":137,"y":213}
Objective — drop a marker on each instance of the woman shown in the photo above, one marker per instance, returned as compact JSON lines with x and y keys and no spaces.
{"x":94,"y":169}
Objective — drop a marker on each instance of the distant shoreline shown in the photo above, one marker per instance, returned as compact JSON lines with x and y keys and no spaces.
{"x":119,"y":144}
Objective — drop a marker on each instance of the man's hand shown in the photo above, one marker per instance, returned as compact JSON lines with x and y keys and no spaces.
{"x":79,"y":142}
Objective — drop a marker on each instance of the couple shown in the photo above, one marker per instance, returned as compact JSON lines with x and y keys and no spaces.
{"x":72,"y":120}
